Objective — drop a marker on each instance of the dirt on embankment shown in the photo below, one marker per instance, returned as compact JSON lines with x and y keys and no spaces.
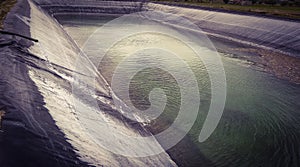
{"x":5,"y":6}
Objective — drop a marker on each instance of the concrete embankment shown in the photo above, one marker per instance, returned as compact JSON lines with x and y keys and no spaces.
{"x":270,"y":44}
{"x":30,"y":136}
{"x":41,"y":126}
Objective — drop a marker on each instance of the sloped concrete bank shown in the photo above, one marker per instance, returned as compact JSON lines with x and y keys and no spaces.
{"x":40,"y":127}
{"x":30,"y":136}
{"x":270,"y":44}
{"x":266,"y":33}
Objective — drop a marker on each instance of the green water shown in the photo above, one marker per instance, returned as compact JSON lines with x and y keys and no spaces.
{"x":260,"y":125}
